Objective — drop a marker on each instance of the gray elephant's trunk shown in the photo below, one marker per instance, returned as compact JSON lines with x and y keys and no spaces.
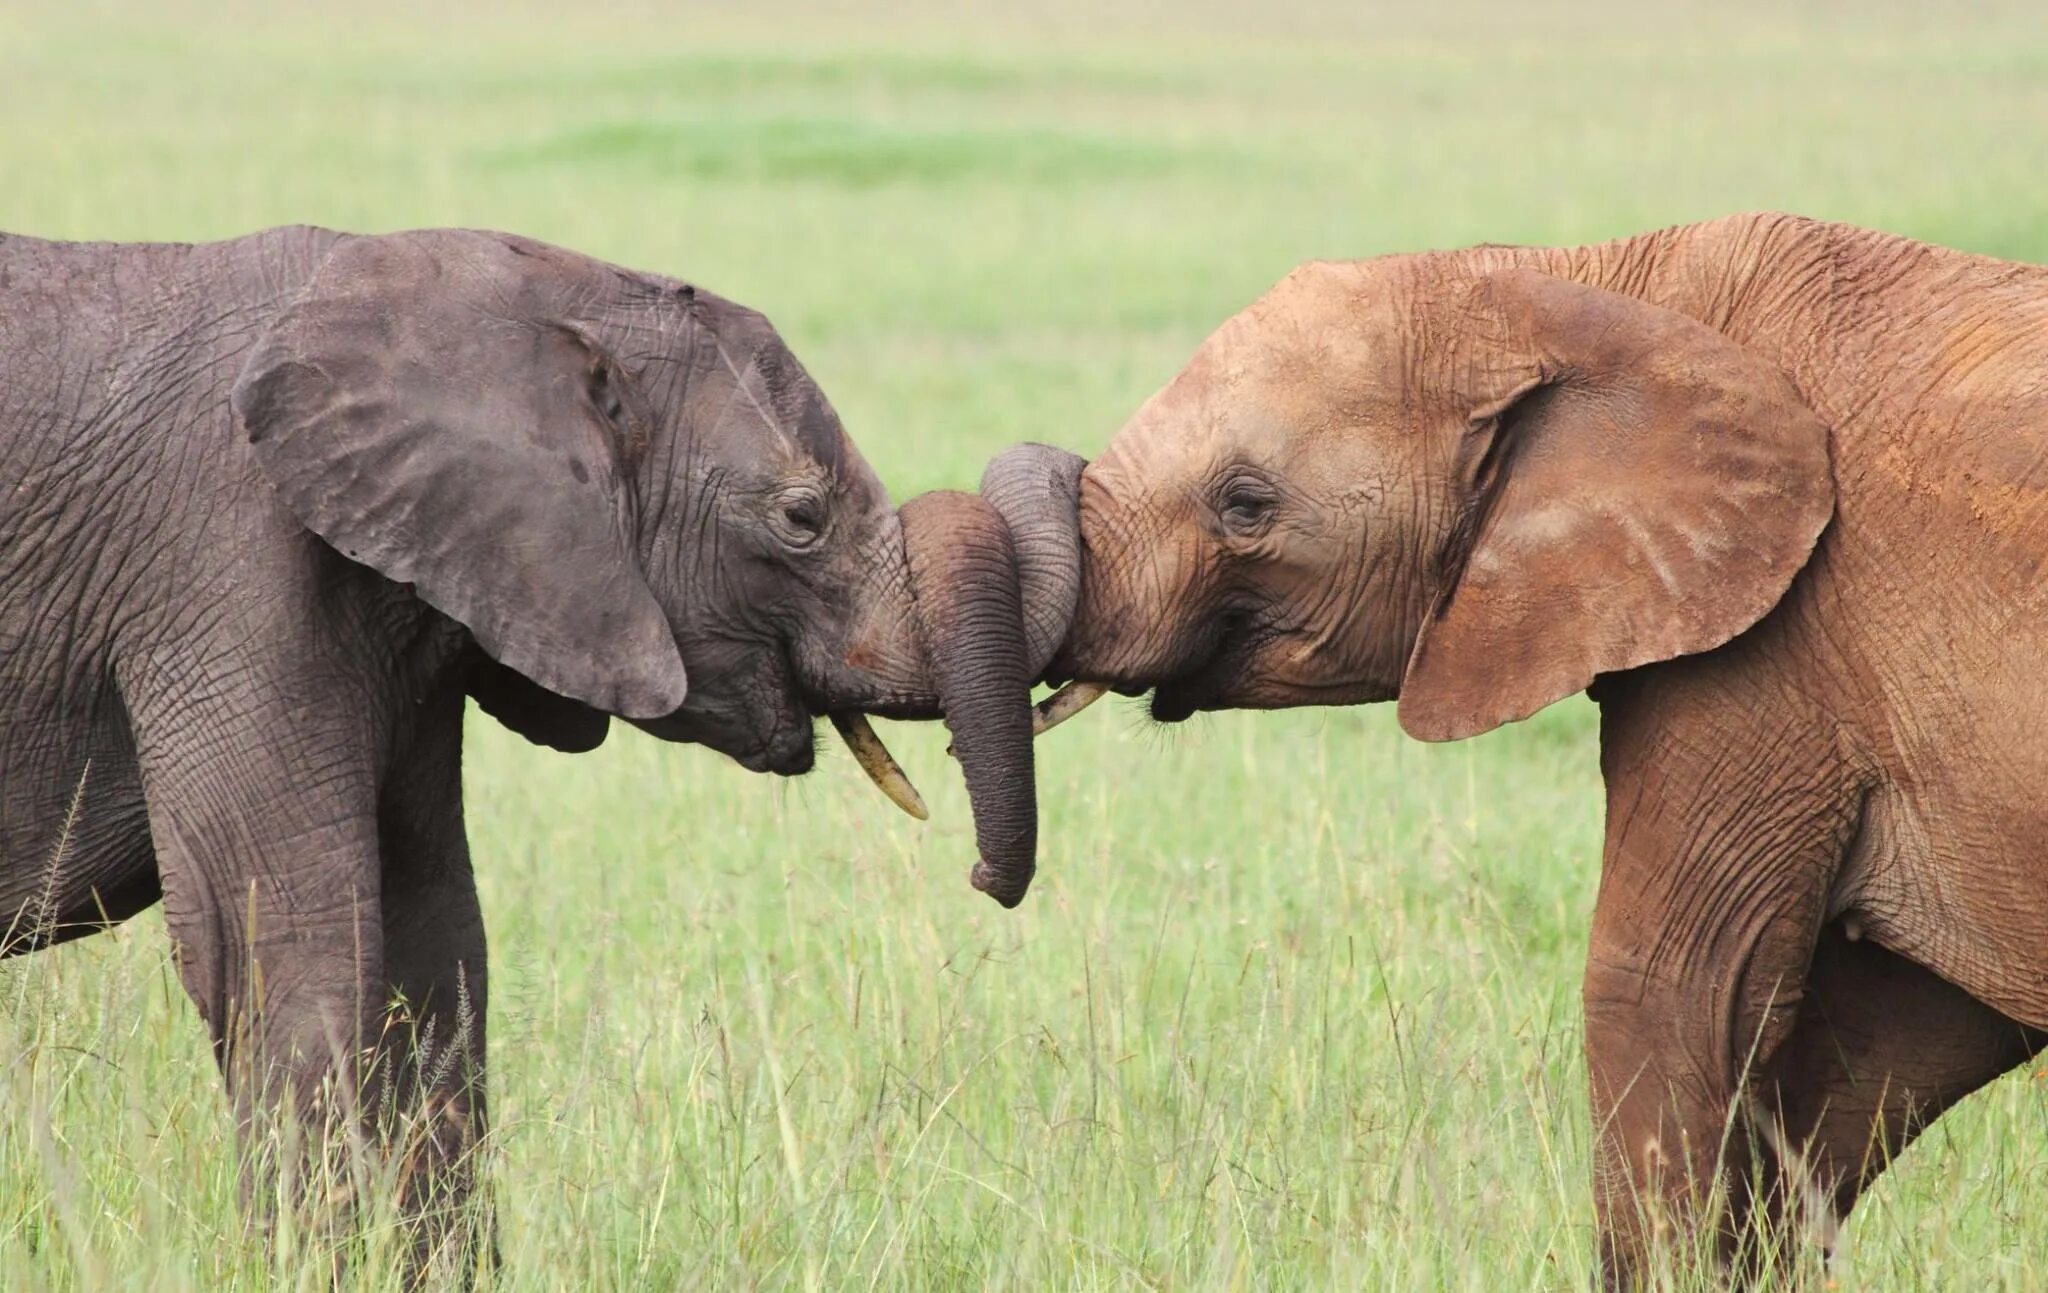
{"x":963,"y":575}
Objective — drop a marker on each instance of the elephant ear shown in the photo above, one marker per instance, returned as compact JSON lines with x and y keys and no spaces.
{"x":1637,"y":487}
{"x":423,"y":407}
{"x":534,"y":712}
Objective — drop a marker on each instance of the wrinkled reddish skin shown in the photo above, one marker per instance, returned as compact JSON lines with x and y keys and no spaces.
{"x":1823,"y":861}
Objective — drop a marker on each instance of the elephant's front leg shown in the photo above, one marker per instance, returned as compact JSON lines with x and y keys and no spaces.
{"x":431,"y":1046}
{"x":263,"y":817}
{"x":1724,"y":837}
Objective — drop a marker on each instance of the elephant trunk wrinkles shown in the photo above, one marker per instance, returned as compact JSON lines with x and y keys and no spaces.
{"x":1036,"y":489}
{"x":964,"y":580}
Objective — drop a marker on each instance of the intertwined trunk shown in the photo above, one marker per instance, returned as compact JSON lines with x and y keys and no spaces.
{"x":968,"y":599}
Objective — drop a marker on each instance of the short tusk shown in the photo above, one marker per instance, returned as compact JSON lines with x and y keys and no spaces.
{"x":1062,"y":705}
{"x":880,"y":765}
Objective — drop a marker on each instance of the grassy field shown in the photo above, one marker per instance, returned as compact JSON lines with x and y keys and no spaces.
{"x":1294,"y":1002}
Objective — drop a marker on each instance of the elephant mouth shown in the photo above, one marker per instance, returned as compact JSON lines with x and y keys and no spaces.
{"x":787,"y":753}
{"x":784,"y":745}
{"x":1179,"y":700}
{"x":1207,"y":681}
{"x":760,"y":720}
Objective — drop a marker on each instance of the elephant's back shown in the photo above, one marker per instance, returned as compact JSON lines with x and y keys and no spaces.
{"x":104,"y":346}
{"x":117,"y":452}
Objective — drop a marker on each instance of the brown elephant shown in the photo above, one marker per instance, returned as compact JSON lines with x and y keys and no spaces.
{"x":1776,"y":493}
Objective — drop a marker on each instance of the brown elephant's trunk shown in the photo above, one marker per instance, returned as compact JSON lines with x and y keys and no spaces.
{"x":1036,"y":489}
{"x":963,"y":577}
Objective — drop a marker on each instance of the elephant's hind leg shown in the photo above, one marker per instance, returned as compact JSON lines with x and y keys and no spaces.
{"x":1881,"y":1048}
{"x":77,"y":826}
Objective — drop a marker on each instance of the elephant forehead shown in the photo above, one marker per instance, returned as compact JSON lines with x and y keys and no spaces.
{"x":1300,"y":371}
{"x":774,"y":391}
{"x":808,"y":417}
{"x":793,"y":401}
{"x":1199,"y":422}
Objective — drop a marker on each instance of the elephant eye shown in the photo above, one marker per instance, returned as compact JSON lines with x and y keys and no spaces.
{"x":1247,"y":502}
{"x":803,"y":518}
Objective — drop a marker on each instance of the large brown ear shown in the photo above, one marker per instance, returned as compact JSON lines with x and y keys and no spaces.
{"x":421,"y":408}
{"x":1637,"y":487}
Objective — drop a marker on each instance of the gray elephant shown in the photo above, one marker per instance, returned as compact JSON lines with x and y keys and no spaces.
{"x":274,"y":506}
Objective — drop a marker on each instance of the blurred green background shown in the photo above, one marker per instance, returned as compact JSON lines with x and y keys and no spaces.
{"x":1294,"y":1002}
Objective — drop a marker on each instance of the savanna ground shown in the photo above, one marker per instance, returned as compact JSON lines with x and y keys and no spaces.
{"x":1293,"y":1004}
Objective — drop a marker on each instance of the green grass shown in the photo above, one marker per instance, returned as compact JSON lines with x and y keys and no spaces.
{"x":1294,"y":1002}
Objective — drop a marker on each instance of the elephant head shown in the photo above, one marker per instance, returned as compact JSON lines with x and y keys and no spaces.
{"x":1451,"y":478}
{"x":640,"y":505}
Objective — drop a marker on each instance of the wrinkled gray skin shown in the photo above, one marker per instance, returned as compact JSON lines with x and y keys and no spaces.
{"x":270,"y":508}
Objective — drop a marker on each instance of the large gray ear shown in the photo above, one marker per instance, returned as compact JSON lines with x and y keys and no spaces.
{"x":422,"y":408}
{"x":534,"y":712}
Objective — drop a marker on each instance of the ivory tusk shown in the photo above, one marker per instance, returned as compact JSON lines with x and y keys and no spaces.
{"x":1061,"y":706}
{"x":880,"y":765}
{"x":1064,"y":704}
